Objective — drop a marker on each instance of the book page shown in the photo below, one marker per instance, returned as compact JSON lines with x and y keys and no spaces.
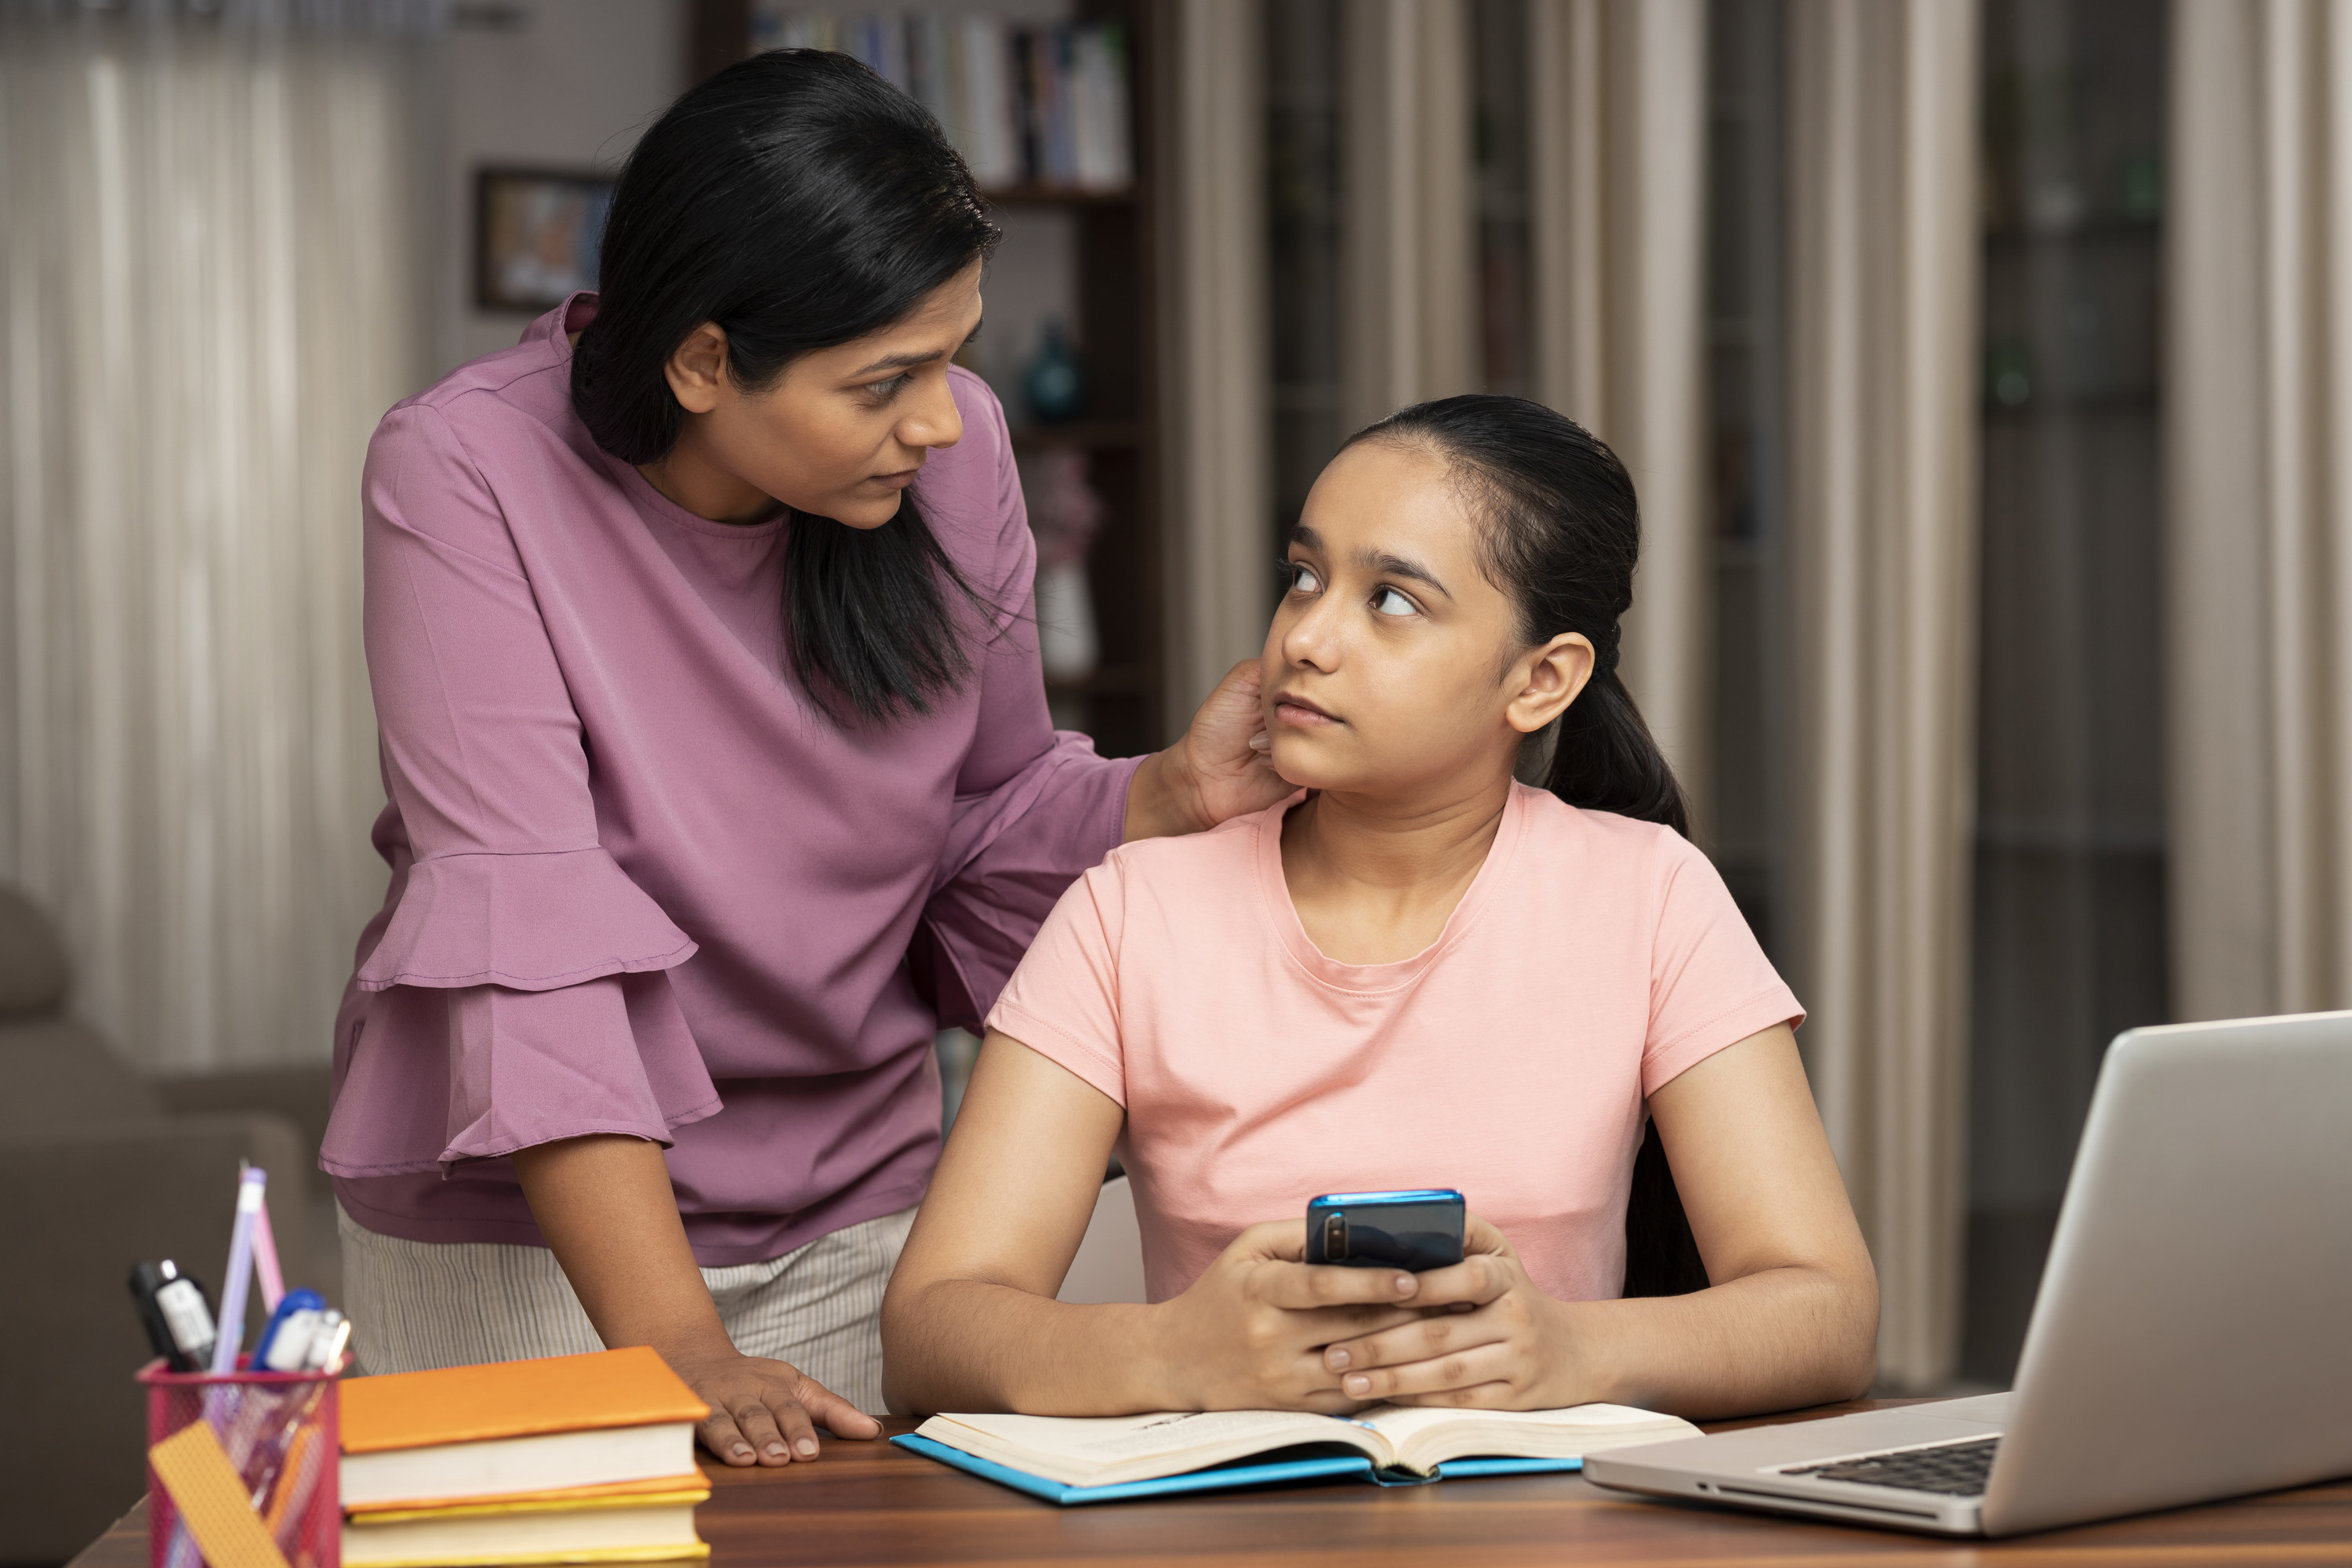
{"x":1425,"y":1438}
{"x":1399,"y":1422}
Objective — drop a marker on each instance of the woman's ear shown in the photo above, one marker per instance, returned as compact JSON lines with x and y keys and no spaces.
{"x":1543,"y":682}
{"x":696,"y":368}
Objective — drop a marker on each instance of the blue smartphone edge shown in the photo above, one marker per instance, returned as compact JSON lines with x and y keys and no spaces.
{"x":1411,"y":1196}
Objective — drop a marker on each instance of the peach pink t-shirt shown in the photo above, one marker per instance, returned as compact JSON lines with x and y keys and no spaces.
{"x":1593,"y":959}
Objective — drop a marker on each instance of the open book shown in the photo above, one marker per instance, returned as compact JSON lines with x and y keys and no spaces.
{"x":1079,"y":1459}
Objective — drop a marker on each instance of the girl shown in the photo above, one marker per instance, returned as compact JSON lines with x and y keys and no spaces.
{"x":1416,"y":973}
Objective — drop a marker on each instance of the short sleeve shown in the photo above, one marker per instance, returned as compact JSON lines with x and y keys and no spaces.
{"x":1062,"y":1001}
{"x":1710,"y":984}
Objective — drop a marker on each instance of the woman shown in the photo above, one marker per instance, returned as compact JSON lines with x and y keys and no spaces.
{"x":1428,"y":974}
{"x":718,"y":770}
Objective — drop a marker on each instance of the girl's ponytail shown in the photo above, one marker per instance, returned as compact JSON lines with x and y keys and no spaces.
{"x":1563,"y":534}
{"x":1605,"y":759}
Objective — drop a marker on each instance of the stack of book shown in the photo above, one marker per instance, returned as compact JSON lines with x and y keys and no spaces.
{"x":586,"y":1459}
{"x":1043,"y":104}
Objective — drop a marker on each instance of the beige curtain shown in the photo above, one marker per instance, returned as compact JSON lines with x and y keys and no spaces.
{"x":1408,"y":236}
{"x":1882,"y":330}
{"x":2258,"y":391}
{"x":208,"y":303}
{"x":1617,"y":198}
{"x":1219,"y":367}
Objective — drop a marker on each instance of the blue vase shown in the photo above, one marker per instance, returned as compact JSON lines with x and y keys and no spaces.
{"x":1052,"y":384}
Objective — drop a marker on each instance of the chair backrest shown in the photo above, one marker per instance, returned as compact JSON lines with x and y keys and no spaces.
{"x":1109,"y":1264}
{"x":1661,"y":1257}
{"x":55,"y":1072}
{"x":33,"y":975}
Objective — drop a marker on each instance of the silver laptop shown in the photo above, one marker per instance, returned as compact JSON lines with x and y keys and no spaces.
{"x":2193,"y":1338}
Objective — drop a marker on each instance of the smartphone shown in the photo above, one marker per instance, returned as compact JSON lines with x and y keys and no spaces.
{"x":1412,"y":1230}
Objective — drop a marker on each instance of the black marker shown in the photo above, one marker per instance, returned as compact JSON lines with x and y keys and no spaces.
{"x":178,"y":1318}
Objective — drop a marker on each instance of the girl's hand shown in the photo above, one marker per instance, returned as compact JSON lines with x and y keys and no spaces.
{"x":1485,"y":1337}
{"x":1250,"y":1332}
{"x":764,"y":1412}
{"x":1219,"y":770}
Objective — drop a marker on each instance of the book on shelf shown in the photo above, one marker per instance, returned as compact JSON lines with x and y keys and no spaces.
{"x":565,"y":1458}
{"x":1044,"y":104}
{"x":1105,"y":1459}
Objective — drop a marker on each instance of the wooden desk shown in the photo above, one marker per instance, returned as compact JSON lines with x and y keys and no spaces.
{"x":870,"y":1503}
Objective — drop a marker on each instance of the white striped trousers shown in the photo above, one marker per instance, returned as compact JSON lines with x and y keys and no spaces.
{"x":415,"y":1305}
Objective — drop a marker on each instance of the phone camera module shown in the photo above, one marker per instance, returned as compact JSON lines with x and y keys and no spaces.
{"x":1335,"y":1238}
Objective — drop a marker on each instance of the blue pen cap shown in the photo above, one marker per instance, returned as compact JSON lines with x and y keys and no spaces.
{"x":287,"y":1336}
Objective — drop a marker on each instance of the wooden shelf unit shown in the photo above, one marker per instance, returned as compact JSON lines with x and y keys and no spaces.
{"x":1115,"y":321}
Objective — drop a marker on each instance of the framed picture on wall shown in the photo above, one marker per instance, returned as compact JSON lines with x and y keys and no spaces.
{"x":535,"y":235}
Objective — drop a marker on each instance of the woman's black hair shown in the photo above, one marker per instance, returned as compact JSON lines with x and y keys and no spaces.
{"x":1562,"y":535}
{"x":800,"y":202}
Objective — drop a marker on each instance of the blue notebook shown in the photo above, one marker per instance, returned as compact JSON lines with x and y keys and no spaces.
{"x":1107,"y":1458}
{"x":1224,"y":1477}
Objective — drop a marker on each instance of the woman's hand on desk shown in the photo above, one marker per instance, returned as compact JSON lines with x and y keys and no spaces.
{"x":606,"y":1205}
{"x":762,"y":1411}
{"x":1485,"y":1336}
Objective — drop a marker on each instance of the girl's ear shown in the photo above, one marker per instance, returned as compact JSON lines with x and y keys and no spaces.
{"x":697,"y":366}
{"x":1543,"y":682}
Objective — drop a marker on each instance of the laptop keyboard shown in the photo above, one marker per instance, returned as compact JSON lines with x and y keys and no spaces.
{"x":1955,"y":1470}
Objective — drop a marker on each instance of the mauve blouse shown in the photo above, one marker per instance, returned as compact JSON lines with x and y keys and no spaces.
{"x":639,"y":884}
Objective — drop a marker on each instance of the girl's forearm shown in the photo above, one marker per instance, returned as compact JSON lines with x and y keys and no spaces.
{"x":1777,"y":1340}
{"x":967,"y":1344}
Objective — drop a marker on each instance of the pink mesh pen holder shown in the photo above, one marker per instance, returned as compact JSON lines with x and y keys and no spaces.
{"x":278,"y":1432}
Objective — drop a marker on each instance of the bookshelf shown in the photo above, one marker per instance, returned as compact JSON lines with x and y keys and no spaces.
{"x":1108,"y":296}
{"x":2070,"y":864}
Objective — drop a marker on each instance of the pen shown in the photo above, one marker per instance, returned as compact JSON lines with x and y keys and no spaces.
{"x":265,"y":1261}
{"x":178,"y":1320}
{"x":249,"y":1185}
{"x":285,"y":1341}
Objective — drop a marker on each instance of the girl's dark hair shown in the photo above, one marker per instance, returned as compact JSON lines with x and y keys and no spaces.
{"x":1562,"y":535}
{"x":798,"y":201}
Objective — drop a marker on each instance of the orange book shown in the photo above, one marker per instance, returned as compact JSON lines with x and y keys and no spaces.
{"x":512,"y":1428}
{"x":632,"y":1387}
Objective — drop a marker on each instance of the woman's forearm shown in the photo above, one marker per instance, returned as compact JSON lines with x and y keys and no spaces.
{"x":606,"y":1208}
{"x":1777,"y":1340}
{"x":967,"y":1344}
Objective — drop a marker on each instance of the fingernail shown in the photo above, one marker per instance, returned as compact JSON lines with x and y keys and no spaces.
{"x":1336,"y":1359}
{"x":1406,"y":1285}
{"x":776,"y":1449}
{"x":1358,"y":1384}
{"x":807,"y":1446}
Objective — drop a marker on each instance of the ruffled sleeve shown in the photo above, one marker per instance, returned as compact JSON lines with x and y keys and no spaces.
{"x":529,"y":923}
{"x":522,"y":997}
